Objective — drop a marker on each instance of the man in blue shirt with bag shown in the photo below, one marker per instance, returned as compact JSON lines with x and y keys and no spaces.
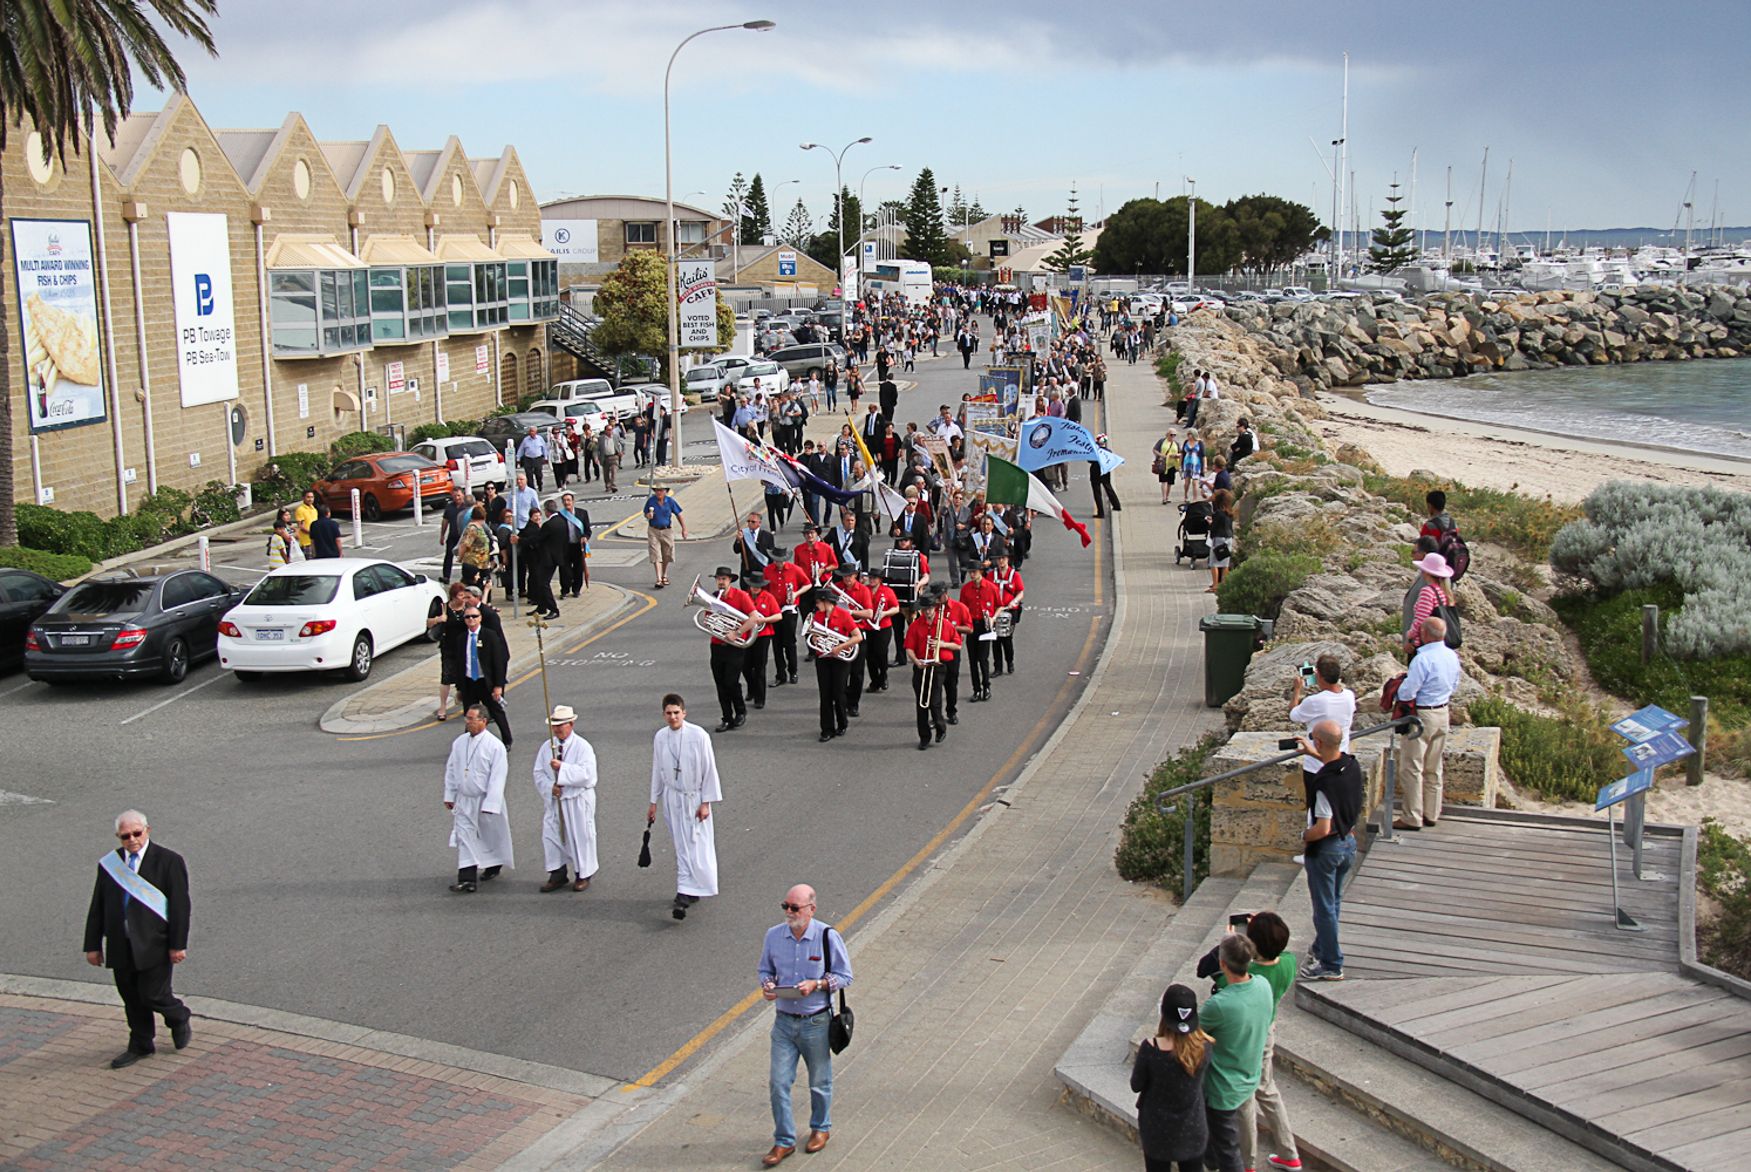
{"x":802,"y":963}
{"x":1428,"y":686}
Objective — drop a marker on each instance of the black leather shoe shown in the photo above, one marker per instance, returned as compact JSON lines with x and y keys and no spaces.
{"x":924,"y":743}
{"x":463,"y":888}
{"x":128,"y":1057}
{"x":726,"y":726}
{"x":953,"y":719}
{"x":779,"y":682}
{"x":181,"y":1035}
{"x":759,"y":704}
{"x":741,"y":719}
{"x":855,"y":712}
{"x":825,"y":737}
{"x":941,"y":735}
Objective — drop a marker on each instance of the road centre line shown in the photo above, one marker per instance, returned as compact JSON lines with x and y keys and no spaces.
{"x":1022,"y":751}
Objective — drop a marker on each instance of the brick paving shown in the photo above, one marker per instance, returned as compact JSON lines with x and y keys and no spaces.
{"x":245,"y":1097}
{"x":974,"y":982}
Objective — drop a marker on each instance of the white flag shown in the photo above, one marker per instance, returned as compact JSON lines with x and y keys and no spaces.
{"x":743,"y":460}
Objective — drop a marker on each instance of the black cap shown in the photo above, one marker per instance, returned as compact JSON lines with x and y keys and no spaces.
{"x":1179,"y":1009}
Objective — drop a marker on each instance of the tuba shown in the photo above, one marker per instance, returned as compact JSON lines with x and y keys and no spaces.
{"x":1003,"y":623}
{"x":717,"y":618}
{"x":822,"y":640}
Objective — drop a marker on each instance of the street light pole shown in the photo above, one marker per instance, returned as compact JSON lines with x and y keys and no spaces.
{"x":839,"y":200}
{"x":862,"y":185}
{"x":1192,"y":234}
{"x":674,"y":314}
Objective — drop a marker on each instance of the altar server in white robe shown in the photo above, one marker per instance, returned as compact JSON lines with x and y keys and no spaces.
{"x":565,"y":777}
{"x":474,"y":793}
{"x":684,"y":783}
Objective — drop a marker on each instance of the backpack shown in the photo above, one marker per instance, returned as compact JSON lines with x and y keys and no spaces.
{"x":1452,"y":547}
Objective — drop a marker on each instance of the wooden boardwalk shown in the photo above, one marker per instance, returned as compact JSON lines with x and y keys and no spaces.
{"x":1486,"y":950}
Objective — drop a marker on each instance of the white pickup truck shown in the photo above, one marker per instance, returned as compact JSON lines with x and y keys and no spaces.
{"x":622,"y":403}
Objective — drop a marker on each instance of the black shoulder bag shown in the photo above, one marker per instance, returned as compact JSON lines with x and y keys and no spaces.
{"x":839,"y":1025}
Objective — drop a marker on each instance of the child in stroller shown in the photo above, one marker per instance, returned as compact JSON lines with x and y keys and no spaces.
{"x":1196,"y":518}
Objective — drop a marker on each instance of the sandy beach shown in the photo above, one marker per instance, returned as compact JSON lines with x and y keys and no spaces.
{"x":1532,"y":462}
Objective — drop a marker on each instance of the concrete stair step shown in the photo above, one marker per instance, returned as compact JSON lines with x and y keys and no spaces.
{"x":1095,"y":1070}
{"x":1334,"y":1138}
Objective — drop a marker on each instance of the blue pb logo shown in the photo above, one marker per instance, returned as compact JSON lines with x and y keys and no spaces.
{"x":203,"y":295}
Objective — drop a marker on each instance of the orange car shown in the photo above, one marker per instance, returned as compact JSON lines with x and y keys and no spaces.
{"x":385,"y":481}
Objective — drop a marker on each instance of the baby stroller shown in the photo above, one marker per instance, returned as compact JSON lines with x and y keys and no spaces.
{"x":1196,"y":519}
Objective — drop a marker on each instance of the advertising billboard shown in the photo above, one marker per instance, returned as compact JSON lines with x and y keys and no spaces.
{"x":57,"y":318}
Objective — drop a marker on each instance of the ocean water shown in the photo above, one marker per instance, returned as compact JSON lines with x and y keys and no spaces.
{"x":1699,"y":406}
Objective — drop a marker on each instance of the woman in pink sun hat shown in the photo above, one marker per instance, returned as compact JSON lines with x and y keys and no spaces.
{"x":1433,"y":591}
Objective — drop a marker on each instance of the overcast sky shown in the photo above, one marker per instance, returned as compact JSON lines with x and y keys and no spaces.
{"x":1605,"y":107}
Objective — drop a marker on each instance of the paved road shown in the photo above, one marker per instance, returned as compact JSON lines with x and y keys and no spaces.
{"x":319,"y":863}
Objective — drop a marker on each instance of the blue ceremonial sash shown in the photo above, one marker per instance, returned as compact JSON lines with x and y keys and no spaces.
{"x":136,"y":885}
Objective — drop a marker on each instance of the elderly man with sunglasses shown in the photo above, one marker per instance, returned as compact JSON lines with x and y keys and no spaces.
{"x":802,"y":963}
{"x":138,"y":925}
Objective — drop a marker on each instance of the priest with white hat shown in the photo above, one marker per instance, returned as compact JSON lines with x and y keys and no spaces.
{"x":565,"y":777}
{"x":474,"y":793}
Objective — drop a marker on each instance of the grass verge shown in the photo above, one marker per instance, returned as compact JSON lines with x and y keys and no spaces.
{"x":1566,"y":757}
{"x":1523,"y":524}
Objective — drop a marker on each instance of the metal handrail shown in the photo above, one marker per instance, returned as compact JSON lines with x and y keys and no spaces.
{"x":1408,"y":725}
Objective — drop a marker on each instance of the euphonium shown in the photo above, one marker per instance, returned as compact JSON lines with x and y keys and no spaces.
{"x":717,"y":618}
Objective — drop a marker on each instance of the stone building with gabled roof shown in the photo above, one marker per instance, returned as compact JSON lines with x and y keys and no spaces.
{"x":189,"y":301}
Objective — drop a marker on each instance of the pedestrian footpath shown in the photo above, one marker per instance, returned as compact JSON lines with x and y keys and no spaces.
{"x":262,"y":1089}
{"x":975,"y":980}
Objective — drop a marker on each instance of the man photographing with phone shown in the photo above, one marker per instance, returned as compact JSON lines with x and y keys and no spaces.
{"x":1319,"y":694}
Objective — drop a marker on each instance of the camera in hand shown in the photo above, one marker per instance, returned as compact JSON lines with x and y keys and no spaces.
{"x":1239,"y":920}
{"x":1288,"y":745}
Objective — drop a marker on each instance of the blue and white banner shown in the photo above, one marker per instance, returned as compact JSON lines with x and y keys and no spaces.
{"x":1048,"y":440}
{"x":140,"y":889}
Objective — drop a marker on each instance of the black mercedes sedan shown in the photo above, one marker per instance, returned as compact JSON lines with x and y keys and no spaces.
{"x":123,"y":627}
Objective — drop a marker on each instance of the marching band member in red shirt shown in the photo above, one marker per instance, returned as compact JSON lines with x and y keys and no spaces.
{"x":930,"y":646}
{"x":984,"y":599}
{"x":962,"y":620}
{"x":790,"y":584}
{"x":766,"y":605}
{"x":830,"y":669}
{"x":1010,"y":583}
{"x":879,"y":630}
{"x":860,"y":609}
{"x":727,"y":658}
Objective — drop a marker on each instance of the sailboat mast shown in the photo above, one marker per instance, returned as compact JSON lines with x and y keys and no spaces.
{"x":1415,"y":223}
{"x":1344,"y":165}
{"x":1502,"y":224}
{"x":1447,"y":218}
{"x":1483,"y":183}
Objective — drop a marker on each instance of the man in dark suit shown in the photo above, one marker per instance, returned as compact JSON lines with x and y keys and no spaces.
{"x":888,"y":394}
{"x":755,"y":546}
{"x":535,"y":550}
{"x":138,"y":924}
{"x":485,"y":665}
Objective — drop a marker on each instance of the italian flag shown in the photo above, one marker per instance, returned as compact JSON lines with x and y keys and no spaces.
{"x":1006,"y":484}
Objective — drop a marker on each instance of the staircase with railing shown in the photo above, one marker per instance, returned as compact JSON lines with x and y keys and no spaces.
{"x":571,"y":331}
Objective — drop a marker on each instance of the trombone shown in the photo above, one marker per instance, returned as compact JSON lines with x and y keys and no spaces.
{"x":933,"y":645}
{"x":718,"y":618}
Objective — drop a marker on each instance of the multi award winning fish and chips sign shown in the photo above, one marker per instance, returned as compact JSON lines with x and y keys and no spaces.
{"x":57,"y":320}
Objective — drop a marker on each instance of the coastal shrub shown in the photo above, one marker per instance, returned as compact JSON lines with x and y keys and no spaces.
{"x":359,"y":443}
{"x":1315,"y":536}
{"x":426,"y":431}
{"x":61,"y":567}
{"x":1723,"y":873}
{"x":1566,"y":757}
{"x":1152,"y":843}
{"x":1636,"y":536}
{"x":1527,"y":525}
{"x":284,"y":477}
{"x":215,"y":504}
{"x":1259,"y":585}
{"x":1167,"y":367}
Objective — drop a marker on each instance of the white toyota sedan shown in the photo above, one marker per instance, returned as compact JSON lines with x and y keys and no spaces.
{"x":327,"y":614}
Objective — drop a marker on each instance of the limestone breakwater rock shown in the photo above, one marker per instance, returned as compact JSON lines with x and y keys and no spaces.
{"x":1355,"y":340}
{"x":1298,"y":495}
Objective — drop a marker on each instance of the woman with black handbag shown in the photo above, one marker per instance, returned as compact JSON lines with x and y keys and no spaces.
{"x":1221,"y":538}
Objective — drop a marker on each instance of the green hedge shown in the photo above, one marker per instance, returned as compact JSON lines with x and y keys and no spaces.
{"x":60,"y":566}
{"x":1152,"y":844}
{"x":360,"y":443}
{"x":1259,"y":585}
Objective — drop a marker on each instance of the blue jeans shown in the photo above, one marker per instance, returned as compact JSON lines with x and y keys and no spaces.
{"x":1325,"y":887}
{"x":796,"y":1037}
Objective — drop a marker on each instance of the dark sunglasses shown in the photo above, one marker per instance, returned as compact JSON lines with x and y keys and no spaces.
{"x":795,"y":907}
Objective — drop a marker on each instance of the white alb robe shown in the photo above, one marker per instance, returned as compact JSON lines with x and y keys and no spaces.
{"x":683,"y":775}
{"x":576,"y":805}
{"x":474,"y":781}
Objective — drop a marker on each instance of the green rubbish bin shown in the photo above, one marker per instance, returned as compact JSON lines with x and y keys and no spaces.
{"x":1229,"y":641}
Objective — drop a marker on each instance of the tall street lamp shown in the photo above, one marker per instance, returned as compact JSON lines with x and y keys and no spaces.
{"x":861,"y":208}
{"x":1192,"y":234}
{"x":759,"y":26}
{"x":839,"y":199}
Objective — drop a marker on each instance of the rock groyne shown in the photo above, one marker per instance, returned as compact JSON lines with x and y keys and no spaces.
{"x":1352,"y":341}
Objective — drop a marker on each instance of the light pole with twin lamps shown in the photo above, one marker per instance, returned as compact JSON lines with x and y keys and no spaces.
{"x":839,"y":199}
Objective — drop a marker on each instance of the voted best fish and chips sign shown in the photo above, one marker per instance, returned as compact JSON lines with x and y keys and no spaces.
{"x":57,"y":320}
{"x":696,"y":290}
